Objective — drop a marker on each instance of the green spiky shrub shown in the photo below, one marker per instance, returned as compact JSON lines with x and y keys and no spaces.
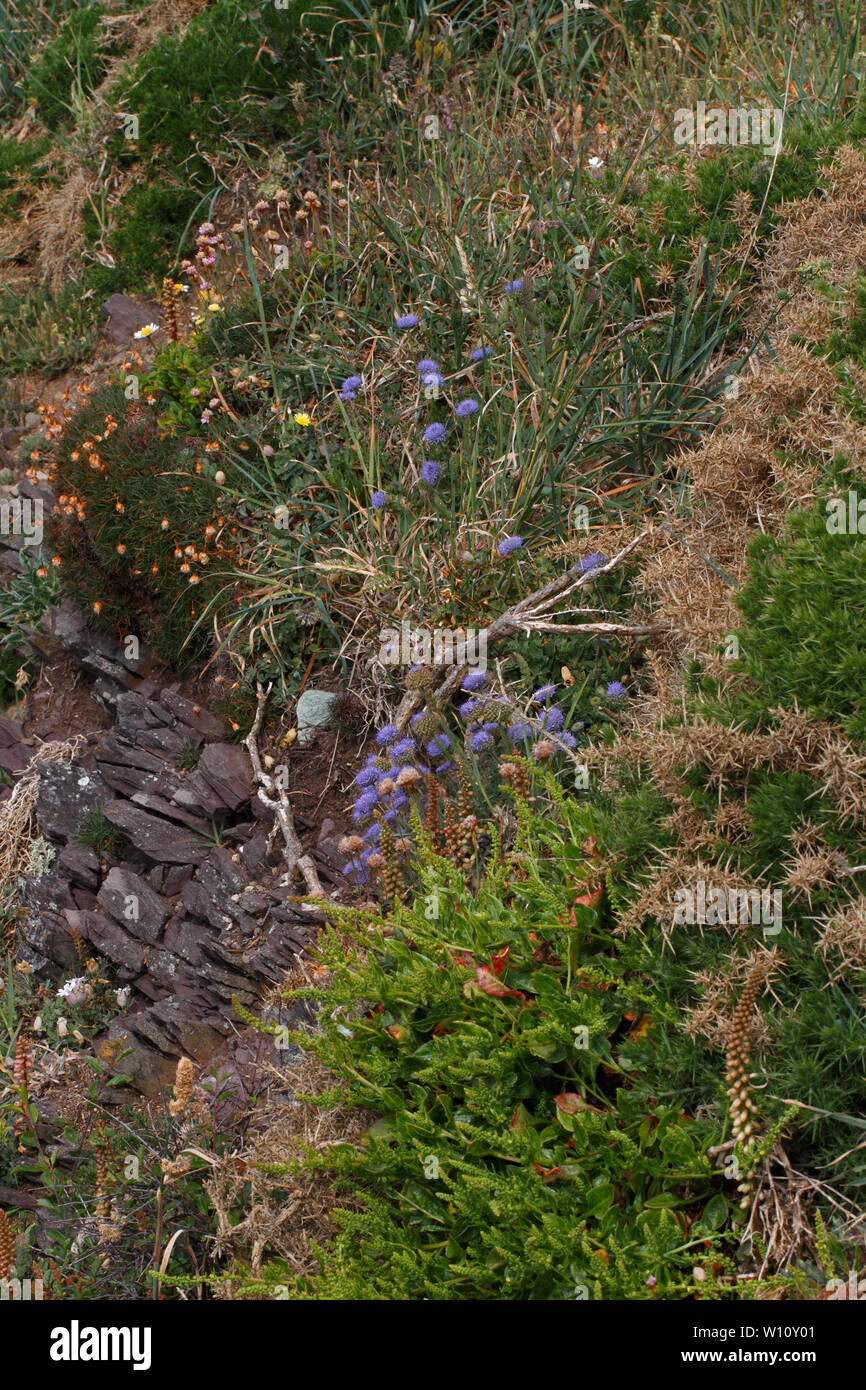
{"x":521,"y":1150}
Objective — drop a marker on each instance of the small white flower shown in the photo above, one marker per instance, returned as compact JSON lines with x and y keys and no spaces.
{"x":62,"y":1028}
{"x":122,"y":996}
{"x":75,"y":991}
{"x":146,"y":331}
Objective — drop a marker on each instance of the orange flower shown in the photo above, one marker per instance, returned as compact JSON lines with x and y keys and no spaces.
{"x":97,"y":607}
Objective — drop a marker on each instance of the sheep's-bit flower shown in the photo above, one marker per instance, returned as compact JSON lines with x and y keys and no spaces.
{"x":475,"y":680}
{"x":407,"y":321}
{"x":386,"y":734}
{"x":434,"y":433}
{"x":514,"y":287}
{"x":509,"y":544}
{"x":351,"y":383}
{"x":544,"y":694}
{"x":378,"y":500}
{"x":430,"y":472}
{"x":616,"y":692}
{"x":427,"y":365}
{"x":592,"y":562}
{"x":467,"y":408}
{"x":481,"y":352}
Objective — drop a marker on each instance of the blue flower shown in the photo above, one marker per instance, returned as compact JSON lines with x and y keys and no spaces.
{"x":430,"y":472}
{"x":616,"y":692}
{"x":348,"y":395}
{"x":467,"y":408}
{"x":386,"y":734}
{"x":403,"y":747}
{"x":480,"y":353}
{"x":568,"y":739}
{"x":544,"y":694}
{"x":433,"y":379}
{"x":553,"y":719}
{"x":416,"y":717}
{"x":427,"y":365}
{"x":373,"y":831}
{"x":364,"y":805}
{"x":475,"y":680}
{"x":592,"y":562}
{"x":351,"y":383}
{"x":434,"y":433}
{"x":514,"y":287}
{"x":518,"y":733}
{"x":509,"y":543}
{"x":466,"y":708}
{"x":438,"y":745}
{"x":480,"y":740}
{"x":378,"y":500}
{"x":407,"y":321}
{"x":366,"y":776}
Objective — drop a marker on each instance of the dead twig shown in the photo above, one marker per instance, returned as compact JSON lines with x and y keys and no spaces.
{"x":276,"y":800}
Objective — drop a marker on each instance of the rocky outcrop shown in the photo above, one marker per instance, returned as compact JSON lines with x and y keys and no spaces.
{"x":187,"y":905}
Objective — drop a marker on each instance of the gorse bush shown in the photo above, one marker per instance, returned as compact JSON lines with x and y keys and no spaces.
{"x":521,"y":1152}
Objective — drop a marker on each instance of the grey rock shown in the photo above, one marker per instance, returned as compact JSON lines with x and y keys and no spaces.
{"x":226,"y":768}
{"x":315,"y":709}
{"x":123,"y":892}
{"x":124,"y":317}
{"x":156,"y":838}
{"x":66,"y":796}
{"x":111,"y":940}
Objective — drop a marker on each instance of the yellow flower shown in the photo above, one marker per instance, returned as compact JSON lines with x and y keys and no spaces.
{"x":302,"y":418}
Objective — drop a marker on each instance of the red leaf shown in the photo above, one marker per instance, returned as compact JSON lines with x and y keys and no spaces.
{"x":569,"y":1102}
{"x":500,"y":960}
{"x":490,"y":985}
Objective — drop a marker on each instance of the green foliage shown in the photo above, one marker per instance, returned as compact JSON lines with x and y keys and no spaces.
{"x":69,"y":66}
{"x":519,"y":1151}
{"x":44,"y":331}
{"x":98,"y":833}
{"x":141,"y":505}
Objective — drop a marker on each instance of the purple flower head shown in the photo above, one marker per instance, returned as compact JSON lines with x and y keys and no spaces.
{"x":364,"y":805}
{"x":475,"y":680}
{"x":544,"y":695}
{"x":568,"y":739}
{"x":407,"y":321}
{"x":616,"y":692}
{"x":386,"y":734}
{"x":434,"y":433}
{"x":466,"y":708}
{"x":365,"y":777}
{"x":430,"y":379}
{"x":351,"y":383}
{"x":403,"y":748}
{"x":373,"y":831}
{"x":592,"y":562}
{"x":378,"y":500}
{"x":518,"y":733}
{"x":514,"y":287}
{"x":467,"y":408}
{"x":480,"y":740}
{"x":508,"y":544}
{"x":553,"y":719}
{"x":438,"y":745}
{"x":427,"y":365}
{"x":416,"y":717}
{"x":480,"y":353}
{"x":348,"y":395}
{"x":430,"y":472}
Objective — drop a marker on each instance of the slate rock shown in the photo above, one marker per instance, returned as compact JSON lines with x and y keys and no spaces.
{"x":156,"y":838}
{"x":123,"y":892}
{"x":80,"y":865}
{"x":124,"y":317}
{"x":66,"y":796}
{"x":110,"y":940}
{"x":226,"y":768}
{"x":197,"y":718}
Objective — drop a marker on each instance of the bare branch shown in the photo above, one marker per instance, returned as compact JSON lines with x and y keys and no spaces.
{"x":276,"y":800}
